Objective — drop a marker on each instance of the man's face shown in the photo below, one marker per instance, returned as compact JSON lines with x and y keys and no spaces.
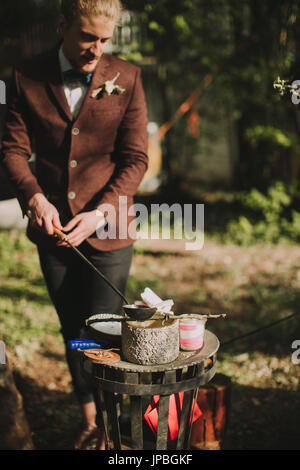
{"x":85,"y":40}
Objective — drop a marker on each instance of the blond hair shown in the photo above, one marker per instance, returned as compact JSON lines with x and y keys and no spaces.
{"x":74,"y":8}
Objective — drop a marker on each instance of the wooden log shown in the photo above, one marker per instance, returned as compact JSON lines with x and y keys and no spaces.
{"x":14,"y":429}
{"x":209,"y":431}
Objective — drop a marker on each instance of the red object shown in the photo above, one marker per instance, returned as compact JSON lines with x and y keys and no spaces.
{"x":193,"y":122}
{"x":188,"y":104}
{"x":175,"y":408}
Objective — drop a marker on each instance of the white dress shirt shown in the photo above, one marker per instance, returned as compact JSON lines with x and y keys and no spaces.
{"x":75,"y":94}
{"x":76,"y":91}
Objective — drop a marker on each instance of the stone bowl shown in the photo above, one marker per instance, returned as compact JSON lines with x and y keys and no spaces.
{"x":150,"y":342}
{"x":139,"y":312}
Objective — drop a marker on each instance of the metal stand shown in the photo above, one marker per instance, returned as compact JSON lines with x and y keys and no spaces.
{"x":190,"y":371}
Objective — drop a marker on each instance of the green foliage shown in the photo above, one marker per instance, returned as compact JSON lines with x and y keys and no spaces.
{"x":273,"y":218}
{"x":270,"y":134}
{"x":17,"y":256}
{"x":26,"y":312}
{"x":245,"y":46}
{"x":136,"y":286}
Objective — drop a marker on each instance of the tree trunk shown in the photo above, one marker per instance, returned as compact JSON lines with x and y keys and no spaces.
{"x":14,"y":429}
{"x":208,"y":432}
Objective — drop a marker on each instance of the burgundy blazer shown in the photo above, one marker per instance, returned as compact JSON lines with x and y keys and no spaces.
{"x":82,"y":163}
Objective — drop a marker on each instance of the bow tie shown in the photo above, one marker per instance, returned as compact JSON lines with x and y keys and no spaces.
{"x":71,"y":76}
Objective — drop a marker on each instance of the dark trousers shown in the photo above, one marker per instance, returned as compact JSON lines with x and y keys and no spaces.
{"x":78,"y":292}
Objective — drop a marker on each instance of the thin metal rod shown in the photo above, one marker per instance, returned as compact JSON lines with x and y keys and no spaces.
{"x":64,"y":238}
{"x":258,"y":330}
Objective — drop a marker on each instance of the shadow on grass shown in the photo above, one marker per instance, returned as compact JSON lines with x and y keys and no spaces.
{"x":263,"y":419}
{"x":17,"y":293}
{"x":53,"y":355}
{"x":257,"y":306}
{"x":53,"y":416}
{"x":159,"y":254}
{"x":260,"y":419}
{"x":38,"y":282}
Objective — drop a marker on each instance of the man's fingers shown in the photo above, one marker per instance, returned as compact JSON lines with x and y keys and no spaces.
{"x":61,"y":243}
{"x":78,"y":241}
{"x":56,"y":221}
{"x":75,"y":241}
{"x":81,"y":227}
{"x":70,"y":225}
{"x":44,"y":215}
{"x":48,"y":225}
{"x":75,"y":238}
{"x":38,"y":221}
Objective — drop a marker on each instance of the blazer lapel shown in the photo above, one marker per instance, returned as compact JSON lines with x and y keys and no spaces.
{"x":100,"y":76}
{"x":55,"y":83}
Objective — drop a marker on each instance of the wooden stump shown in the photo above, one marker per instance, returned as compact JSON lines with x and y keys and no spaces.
{"x":208,"y":432}
{"x":14,"y":430}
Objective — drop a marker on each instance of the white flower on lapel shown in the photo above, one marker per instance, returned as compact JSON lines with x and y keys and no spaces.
{"x":109,"y":87}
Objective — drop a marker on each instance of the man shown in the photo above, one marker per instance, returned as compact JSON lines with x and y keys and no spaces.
{"x":90,"y":150}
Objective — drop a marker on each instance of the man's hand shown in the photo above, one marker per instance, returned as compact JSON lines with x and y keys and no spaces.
{"x":43,"y":214}
{"x":85,"y":225}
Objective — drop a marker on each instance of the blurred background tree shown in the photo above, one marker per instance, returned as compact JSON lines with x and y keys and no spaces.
{"x":244,"y":46}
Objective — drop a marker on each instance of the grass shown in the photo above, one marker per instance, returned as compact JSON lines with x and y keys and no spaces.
{"x":25,"y":309}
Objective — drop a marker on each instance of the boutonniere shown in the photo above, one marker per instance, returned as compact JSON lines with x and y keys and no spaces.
{"x":109,"y":87}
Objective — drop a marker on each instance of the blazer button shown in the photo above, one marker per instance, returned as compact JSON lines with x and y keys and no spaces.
{"x":75,"y":131}
{"x":72,"y":195}
{"x":73,"y":163}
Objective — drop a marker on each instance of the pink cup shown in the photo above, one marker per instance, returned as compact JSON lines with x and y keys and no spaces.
{"x":191,"y":334}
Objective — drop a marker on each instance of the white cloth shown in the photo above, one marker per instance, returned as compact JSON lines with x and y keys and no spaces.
{"x":75,"y":92}
{"x":152,"y":300}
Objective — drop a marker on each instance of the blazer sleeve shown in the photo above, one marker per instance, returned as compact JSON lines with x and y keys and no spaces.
{"x":16,"y":145}
{"x":131,"y":148}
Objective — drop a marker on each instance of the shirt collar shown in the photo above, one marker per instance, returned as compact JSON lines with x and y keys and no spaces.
{"x":65,"y":64}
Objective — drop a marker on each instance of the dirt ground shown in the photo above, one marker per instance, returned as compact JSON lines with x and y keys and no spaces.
{"x":254,"y":286}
